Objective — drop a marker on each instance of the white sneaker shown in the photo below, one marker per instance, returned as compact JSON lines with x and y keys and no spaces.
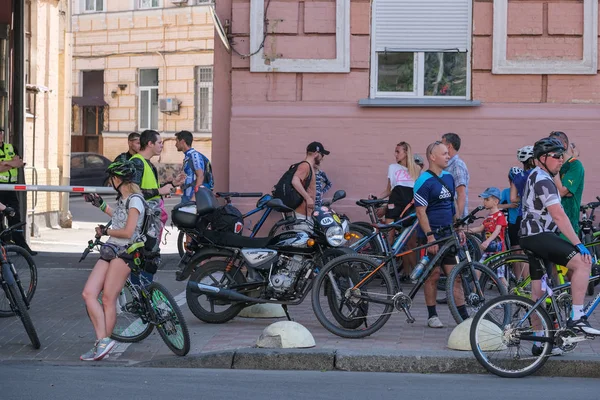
{"x":435,"y":322}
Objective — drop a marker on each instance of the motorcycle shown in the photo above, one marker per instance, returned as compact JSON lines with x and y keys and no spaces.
{"x":231,"y":272}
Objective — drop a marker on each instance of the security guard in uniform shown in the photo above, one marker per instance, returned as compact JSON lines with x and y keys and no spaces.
{"x":10,"y":162}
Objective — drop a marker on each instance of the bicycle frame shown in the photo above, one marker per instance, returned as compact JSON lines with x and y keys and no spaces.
{"x":448,"y":242}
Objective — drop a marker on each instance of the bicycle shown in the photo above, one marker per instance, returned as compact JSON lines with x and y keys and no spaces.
{"x":143,"y":305}
{"x":506,"y":322}
{"x":15,"y":294}
{"x":360,"y":283}
{"x":24,"y":266}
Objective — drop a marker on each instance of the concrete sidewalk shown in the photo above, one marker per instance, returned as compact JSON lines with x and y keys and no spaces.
{"x":65,"y":331}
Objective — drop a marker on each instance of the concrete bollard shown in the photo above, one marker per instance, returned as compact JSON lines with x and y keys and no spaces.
{"x":285,"y":335}
{"x":460,"y":337}
{"x":262,"y":311}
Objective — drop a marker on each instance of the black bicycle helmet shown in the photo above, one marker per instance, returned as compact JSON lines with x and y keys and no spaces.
{"x":122,"y":169}
{"x":547,"y":145}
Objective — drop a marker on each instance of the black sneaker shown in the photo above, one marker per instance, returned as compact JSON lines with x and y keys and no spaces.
{"x":582,"y":325}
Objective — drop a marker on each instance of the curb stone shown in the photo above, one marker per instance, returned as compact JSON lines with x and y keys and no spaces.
{"x":434,"y":362}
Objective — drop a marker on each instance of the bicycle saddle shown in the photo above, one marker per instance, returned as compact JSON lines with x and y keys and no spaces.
{"x":370,"y":202}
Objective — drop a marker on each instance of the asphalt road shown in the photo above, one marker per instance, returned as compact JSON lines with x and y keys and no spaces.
{"x":65,"y":383}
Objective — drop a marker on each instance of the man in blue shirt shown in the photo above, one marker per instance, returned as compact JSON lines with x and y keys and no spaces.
{"x":458,"y":169}
{"x":434,"y":193}
{"x":196,"y":166}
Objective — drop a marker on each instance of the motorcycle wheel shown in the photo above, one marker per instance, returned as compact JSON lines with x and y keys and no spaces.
{"x":208,"y":308}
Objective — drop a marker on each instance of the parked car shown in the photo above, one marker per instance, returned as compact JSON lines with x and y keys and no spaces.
{"x":88,"y":169}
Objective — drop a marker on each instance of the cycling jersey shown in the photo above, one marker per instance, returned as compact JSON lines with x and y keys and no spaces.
{"x":540,"y":193}
{"x":193,"y":160}
{"x":519,"y":181}
{"x":429,"y":192}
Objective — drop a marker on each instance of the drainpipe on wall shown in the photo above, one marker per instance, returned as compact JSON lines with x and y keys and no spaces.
{"x":18,"y":90}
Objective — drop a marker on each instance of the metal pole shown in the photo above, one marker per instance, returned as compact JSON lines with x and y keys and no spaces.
{"x":18,"y":91}
{"x":53,"y":188}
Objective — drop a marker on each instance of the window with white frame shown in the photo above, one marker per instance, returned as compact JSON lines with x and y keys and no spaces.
{"x":93,"y":5}
{"x":204,"y":98}
{"x":420,"y":48}
{"x":148,"y":3}
{"x":148,"y":99}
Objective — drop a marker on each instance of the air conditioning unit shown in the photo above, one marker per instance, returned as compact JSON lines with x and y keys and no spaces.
{"x":179,"y":2}
{"x":170,"y":104}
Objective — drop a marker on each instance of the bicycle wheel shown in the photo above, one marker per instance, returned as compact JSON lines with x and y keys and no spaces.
{"x":513,"y":270}
{"x":207,"y":308}
{"x":474,"y":284}
{"x":170,"y":322}
{"x":473,"y":242}
{"x":26,"y":273}
{"x":131,"y":324}
{"x":371,"y":248}
{"x":336,"y":304}
{"x":22,"y":312}
{"x":507,"y":349}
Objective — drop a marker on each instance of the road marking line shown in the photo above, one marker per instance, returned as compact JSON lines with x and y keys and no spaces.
{"x":120,"y":348}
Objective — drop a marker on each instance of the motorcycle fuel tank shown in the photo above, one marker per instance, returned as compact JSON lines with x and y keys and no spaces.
{"x":259,"y":258}
{"x":290,"y":239}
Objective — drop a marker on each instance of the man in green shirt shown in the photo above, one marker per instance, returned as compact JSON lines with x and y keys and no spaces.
{"x":570,"y":181}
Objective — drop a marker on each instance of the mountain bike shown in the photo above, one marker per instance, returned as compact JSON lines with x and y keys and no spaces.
{"x":505,"y":330}
{"x":365,"y":291}
{"x":143,"y":305}
{"x":15,"y":294}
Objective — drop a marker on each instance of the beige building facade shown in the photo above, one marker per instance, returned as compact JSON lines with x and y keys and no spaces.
{"x":141,"y":64}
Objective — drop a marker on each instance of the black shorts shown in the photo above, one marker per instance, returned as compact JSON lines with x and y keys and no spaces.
{"x":448,"y":259}
{"x":549,"y":247}
{"x":513,"y":232}
{"x":394,"y":210}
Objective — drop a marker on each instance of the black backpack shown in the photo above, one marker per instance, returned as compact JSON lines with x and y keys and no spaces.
{"x":284,"y":190}
{"x":224,"y":219}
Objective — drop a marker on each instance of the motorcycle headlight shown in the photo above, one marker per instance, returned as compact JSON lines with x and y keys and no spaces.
{"x":335,"y":236}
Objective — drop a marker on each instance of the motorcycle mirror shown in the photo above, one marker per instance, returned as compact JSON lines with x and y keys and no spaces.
{"x":338,"y":195}
{"x":277,"y":205}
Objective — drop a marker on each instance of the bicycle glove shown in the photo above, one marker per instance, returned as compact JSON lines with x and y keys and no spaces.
{"x":583,"y":250}
{"x":96,"y":200}
{"x":9,"y":211}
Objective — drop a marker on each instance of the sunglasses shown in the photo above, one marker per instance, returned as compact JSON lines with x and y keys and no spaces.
{"x":433,"y":145}
{"x":556,"y":156}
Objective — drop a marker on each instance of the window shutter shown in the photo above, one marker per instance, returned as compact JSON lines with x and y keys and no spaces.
{"x":422,"y":25}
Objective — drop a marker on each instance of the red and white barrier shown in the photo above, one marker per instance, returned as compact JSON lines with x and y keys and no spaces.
{"x":52,"y":188}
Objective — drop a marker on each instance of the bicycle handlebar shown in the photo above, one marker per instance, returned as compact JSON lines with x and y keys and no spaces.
{"x":592,"y":205}
{"x":470,"y":218}
{"x":92,"y":243}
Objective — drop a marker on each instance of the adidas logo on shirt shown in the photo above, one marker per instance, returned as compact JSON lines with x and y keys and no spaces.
{"x":445,"y":193}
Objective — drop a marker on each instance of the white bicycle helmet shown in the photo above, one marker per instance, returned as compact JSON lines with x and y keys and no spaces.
{"x":525,"y":153}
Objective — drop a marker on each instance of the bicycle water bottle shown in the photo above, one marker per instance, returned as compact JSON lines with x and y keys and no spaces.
{"x":416,"y":273}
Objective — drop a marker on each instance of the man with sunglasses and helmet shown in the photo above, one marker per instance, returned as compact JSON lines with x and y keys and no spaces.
{"x":543,"y":218}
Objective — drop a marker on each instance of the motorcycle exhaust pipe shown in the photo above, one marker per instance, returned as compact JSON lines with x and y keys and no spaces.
{"x":200,"y":288}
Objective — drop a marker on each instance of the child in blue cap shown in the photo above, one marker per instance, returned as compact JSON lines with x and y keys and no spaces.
{"x":494,"y":225}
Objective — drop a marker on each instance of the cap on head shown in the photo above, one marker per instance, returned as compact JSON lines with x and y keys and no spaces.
{"x":491,"y":191}
{"x":316,"y":147}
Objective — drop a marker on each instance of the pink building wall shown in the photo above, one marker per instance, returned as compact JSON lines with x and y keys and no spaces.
{"x":275,"y":115}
